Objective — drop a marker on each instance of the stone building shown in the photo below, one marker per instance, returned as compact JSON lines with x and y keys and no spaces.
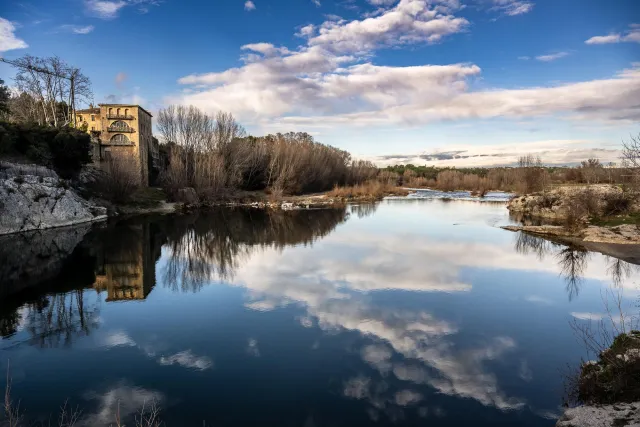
{"x":120,"y":130}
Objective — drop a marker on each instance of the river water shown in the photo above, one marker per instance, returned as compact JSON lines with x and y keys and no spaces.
{"x":417,"y":311}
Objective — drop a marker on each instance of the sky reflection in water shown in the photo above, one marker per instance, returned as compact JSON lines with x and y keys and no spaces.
{"x":411,"y":312}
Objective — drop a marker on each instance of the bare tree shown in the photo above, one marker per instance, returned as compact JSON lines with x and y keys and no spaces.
{"x":53,"y":86}
{"x":631,"y":157}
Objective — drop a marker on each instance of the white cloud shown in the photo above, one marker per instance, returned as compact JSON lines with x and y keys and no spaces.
{"x":77,"y":29}
{"x":122,"y":399}
{"x":249,"y":6}
{"x":108,"y":9}
{"x":8,"y":39}
{"x":316,"y":2}
{"x":105,"y":9}
{"x":188,"y":360}
{"x":118,"y":339}
{"x":410,"y":21}
{"x":632,"y":36}
{"x":553,"y":152}
{"x":587,"y":316}
{"x":330,"y":82}
{"x":407,"y":397}
{"x":252,"y":347}
{"x":552,"y":57}
{"x":513,"y":7}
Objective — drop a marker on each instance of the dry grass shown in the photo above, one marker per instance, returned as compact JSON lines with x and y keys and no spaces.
{"x":370,"y":190}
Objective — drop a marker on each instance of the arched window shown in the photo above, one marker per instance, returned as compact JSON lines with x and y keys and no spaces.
{"x":119,"y":126}
{"x":118,"y":111}
{"x":120,"y":139}
{"x":110,"y":111}
{"x":126,"y":111}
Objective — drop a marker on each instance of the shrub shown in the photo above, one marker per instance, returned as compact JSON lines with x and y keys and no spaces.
{"x":618,"y":203}
{"x":70,"y":151}
{"x":65,"y":150}
{"x":121,"y":178}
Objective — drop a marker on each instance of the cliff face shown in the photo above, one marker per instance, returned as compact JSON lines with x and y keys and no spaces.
{"x":35,"y":198}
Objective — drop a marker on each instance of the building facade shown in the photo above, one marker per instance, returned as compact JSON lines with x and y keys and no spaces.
{"x":119,"y":130}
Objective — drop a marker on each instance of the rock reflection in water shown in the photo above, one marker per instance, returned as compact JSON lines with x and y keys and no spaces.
{"x":42,"y":282}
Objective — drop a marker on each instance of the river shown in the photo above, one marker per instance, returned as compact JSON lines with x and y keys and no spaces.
{"x":415,"y":311}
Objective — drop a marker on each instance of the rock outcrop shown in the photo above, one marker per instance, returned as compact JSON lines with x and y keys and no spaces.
{"x":554,"y":204}
{"x":35,"y":198}
{"x":617,"y":415}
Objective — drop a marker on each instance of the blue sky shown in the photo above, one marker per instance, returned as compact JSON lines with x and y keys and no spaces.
{"x":389,"y":80}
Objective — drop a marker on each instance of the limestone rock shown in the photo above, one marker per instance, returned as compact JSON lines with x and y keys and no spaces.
{"x":620,"y":414}
{"x":35,"y":198}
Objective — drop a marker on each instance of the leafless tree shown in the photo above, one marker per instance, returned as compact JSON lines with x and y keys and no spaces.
{"x":53,"y":87}
{"x":631,"y":157}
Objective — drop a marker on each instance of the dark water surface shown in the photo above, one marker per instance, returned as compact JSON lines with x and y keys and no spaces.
{"x":415,"y":312}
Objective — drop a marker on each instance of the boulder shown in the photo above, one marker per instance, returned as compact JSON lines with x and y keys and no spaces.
{"x":35,"y":198}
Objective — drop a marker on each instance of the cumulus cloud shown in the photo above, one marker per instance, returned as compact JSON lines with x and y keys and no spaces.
{"x":77,"y":29}
{"x":8,"y":39}
{"x":632,"y":35}
{"x":330,"y":81}
{"x":249,"y":6}
{"x":552,"y":56}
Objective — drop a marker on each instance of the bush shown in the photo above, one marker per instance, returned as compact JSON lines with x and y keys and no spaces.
{"x":70,"y":151}
{"x":121,"y":178}
{"x":618,"y":203}
{"x":65,"y":150}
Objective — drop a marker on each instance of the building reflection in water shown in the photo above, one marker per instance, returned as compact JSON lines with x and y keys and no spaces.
{"x":43,"y":282}
{"x":125,"y":265}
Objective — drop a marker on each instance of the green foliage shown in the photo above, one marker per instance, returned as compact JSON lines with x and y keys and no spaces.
{"x":65,"y":150}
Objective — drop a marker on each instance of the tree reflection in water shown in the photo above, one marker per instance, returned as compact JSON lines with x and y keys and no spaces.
{"x":121,"y":261}
{"x":212,"y":245}
{"x":573,"y":260}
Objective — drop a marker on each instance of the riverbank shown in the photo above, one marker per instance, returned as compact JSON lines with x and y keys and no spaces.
{"x":36,"y":198}
{"x":608,"y":386}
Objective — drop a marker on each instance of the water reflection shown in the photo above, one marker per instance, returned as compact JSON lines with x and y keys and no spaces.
{"x":43,"y":275}
{"x":419,"y":313}
{"x":573,"y":260}
{"x":211,"y":246}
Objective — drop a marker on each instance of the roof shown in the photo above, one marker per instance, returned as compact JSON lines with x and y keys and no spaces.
{"x":126,"y":105}
{"x":89,"y":110}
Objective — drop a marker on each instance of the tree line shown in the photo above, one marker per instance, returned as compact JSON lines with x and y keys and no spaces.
{"x":215,"y":156}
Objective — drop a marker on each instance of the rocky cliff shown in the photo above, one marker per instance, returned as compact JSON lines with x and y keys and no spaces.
{"x":35,"y":198}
